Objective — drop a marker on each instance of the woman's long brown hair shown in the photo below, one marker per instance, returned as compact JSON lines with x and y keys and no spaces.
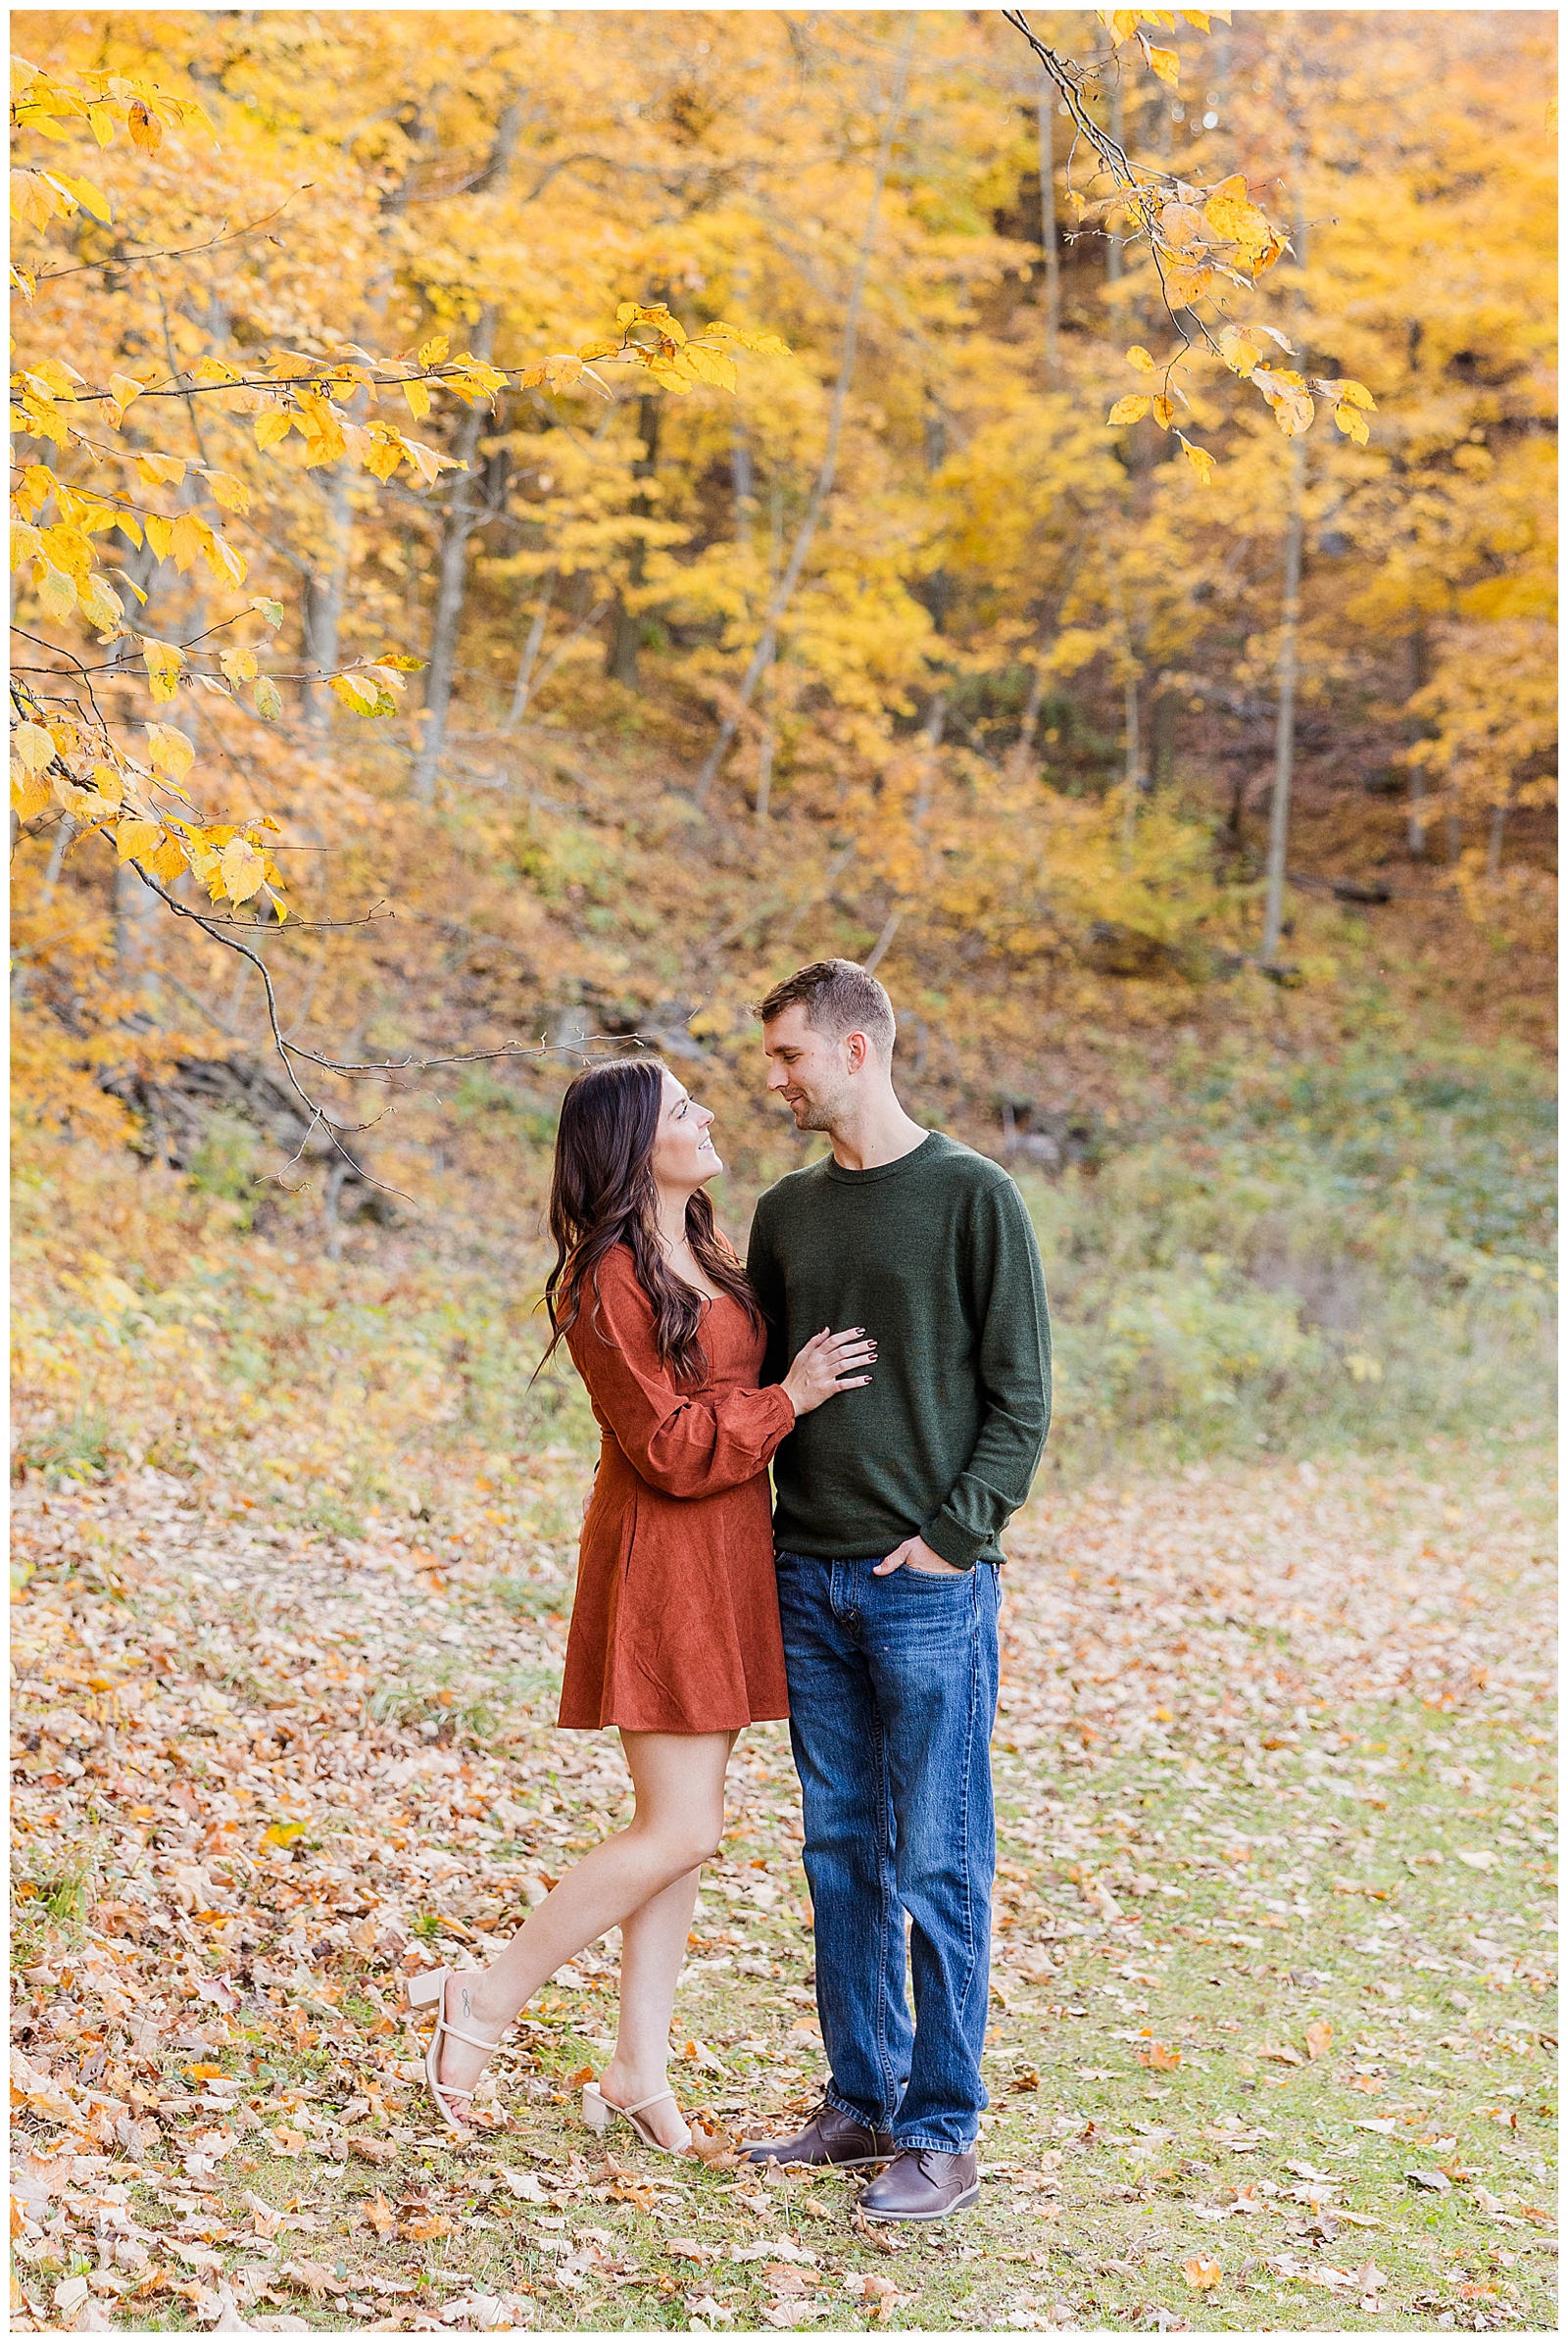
{"x":602,"y":1193}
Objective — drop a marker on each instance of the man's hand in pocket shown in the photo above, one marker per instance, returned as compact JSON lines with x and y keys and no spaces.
{"x":916,"y":1554}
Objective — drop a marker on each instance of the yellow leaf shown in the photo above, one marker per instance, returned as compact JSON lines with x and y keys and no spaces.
{"x":600,"y":349}
{"x":1139,"y":358}
{"x":711,"y":365}
{"x":239,"y":666}
{"x":1237,"y":219}
{"x":154,"y":469}
{"x":419,"y":397}
{"x":146,"y":134}
{"x":160,"y":534}
{"x":1186,"y":285}
{"x":33,"y":745}
{"x":134,"y":839}
{"x":91,"y":199}
{"x":1130,"y":410}
{"x":56,"y":591}
{"x":1239,"y":350}
{"x":110,"y":784}
{"x":1164,"y":409}
{"x":563,"y":368}
{"x":268,"y":699}
{"x":1352,"y":424}
{"x":168,"y":860}
{"x":163,"y":663}
{"x":1354,"y":394}
{"x":243,"y":871}
{"x":1180,"y":224}
{"x":229,"y":492}
{"x":435,"y":349}
{"x":101,"y":605}
{"x":225,"y":564}
{"x":1319,"y":2034}
{"x":168,"y":751}
{"x":214,"y":369}
{"x":31,"y":792}
{"x":1201,"y":2274}
{"x":1164,"y":62}
{"x":271,"y":425}
{"x":188,"y":538}
{"x":123,"y":389}
{"x":281,"y":1834}
{"x":1202,"y":462}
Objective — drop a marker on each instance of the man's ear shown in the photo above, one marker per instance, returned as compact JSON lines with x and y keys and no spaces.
{"x":856,"y":1050}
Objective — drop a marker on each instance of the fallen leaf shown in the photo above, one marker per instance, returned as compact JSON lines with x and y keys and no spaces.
{"x":1319,"y":2034}
{"x":1202,"y":2275}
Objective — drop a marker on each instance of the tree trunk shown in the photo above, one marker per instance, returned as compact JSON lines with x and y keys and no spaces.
{"x":1113,"y":246}
{"x":451,"y":575}
{"x":1045,"y":112}
{"x":135,"y":911}
{"x":530,"y":653}
{"x":1495,"y":829}
{"x":628,"y":638}
{"x":1279,"y":812}
{"x":1023,"y":745}
{"x":1417,"y":835}
{"x":1133,"y":765}
{"x":323,"y":599}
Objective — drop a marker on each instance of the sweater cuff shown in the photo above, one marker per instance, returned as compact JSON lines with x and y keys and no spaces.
{"x":956,"y":1543}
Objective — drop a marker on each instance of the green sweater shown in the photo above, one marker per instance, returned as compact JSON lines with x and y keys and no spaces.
{"x":935,"y":1257}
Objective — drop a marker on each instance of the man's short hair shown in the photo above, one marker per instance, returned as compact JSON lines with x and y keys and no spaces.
{"x":838,"y":997}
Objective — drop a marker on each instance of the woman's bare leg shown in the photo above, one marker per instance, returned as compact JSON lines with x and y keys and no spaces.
{"x":679,"y":1779}
{"x":652,"y":1951}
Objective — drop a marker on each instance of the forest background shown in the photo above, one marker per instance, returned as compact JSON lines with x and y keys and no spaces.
{"x":1012,"y":736}
{"x":673,"y":531}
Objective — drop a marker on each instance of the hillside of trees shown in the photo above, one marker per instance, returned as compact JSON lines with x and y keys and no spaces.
{"x":560,"y":699}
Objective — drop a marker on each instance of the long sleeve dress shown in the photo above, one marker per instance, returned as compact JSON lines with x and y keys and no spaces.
{"x":675,"y":1626}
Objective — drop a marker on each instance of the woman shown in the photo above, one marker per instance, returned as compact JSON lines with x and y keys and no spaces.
{"x":676,"y":1630}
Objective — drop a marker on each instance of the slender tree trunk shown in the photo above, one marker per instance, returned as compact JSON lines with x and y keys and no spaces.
{"x":1416,"y":836}
{"x":1045,"y":112}
{"x":1495,"y":829}
{"x":323,"y":599}
{"x":1023,"y":745}
{"x":135,"y":913}
{"x":1279,"y":812}
{"x":1118,"y":131}
{"x":785,"y":589}
{"x":59,"y":846}
{"x":769,"y":741}
{"x":452,"y":576}
{"x":628,"y":638}
{"x":1132,"y":765}
{"x":530,"y":653}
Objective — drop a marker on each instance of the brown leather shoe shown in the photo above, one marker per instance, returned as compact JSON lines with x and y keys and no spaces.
{"x":919,"y":2184}
{"x":829,"y":2137}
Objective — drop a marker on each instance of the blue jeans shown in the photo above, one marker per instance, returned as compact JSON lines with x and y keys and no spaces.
{"x":893,"y":1696}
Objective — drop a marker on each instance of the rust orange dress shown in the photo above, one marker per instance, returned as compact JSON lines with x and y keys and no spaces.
{"x":675,"y":1626}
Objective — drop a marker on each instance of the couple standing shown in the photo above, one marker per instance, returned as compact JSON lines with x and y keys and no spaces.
{"x":863,"y":1602}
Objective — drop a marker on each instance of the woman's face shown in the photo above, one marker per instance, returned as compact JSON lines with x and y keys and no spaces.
{"x":683,"y":1156}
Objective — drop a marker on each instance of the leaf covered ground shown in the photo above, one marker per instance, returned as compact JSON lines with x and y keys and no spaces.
{"x":1273,"y":2015}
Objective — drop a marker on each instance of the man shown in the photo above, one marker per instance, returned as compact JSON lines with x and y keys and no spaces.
{"x":888,"y":1509}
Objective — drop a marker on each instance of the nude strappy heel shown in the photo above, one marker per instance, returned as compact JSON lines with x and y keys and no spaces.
{"x":598,"y":2112}
{"x":428,"y":1991}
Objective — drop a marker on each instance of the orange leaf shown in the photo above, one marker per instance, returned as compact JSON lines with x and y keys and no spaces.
{"x":1201,"y":2274}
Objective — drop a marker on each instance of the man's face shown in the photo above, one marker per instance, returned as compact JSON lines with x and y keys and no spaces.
{"x":811,"y":1071}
